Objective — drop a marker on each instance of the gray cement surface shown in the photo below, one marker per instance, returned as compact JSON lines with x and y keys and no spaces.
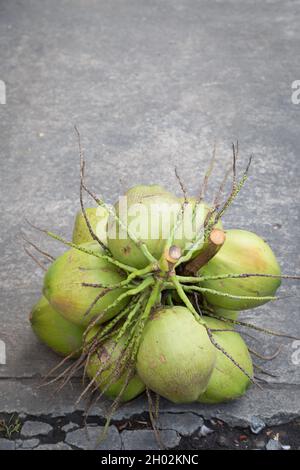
{"x":150,"y":85}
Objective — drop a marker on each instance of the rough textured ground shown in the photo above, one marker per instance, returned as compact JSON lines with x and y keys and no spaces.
{"x":186,"y":431}
{"x":150,"y":85}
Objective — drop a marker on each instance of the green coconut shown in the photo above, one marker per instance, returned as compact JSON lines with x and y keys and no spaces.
{"x":223,"y":312}
{"x":64,"y":290}
{"x":54,"y":330}
{"x":220,"y":312}
{"x":107,"y":357}
{"x":227,"y":381}
{"x":193,"y":223}
{"x":98,"y":217}
{"x":175,"y":357}
{"x":242,"y":252}
{"x":151,"y":212}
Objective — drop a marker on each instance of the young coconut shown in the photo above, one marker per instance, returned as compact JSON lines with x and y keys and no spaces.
{"x":227,"y":381}
{"x":98,"y":217}
{"x":102,"y":368}
{"x":192,"y":223}
{"x":242,"y":252}
{"x":223,"y":312}
{"x":55,"y":331}
{"x":65,"y":290}
{"x":175,"y":357}
{"x":150,"y":213}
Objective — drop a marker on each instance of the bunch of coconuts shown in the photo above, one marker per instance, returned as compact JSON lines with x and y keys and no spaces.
{"x":158,"y":313}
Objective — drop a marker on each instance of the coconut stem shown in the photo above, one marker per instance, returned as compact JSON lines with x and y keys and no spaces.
{"x":108,"y":327}
{"x":169,"y":299}
{"x":183,"y":295}
{"x":215,"y":241}
{"x":253,"y":327}
{"x":142,"y":246}
{"x":188,"y":304}
{"x":123,"y":266}
{"x":124,"y":358}
{"x":191,"y":288}
{"x":125,"y":282}
{"x":232,"y":169}
{"x":236,"y":188}
{"x":139,"y":244}
{"x":115,"y":404}
{"x":147,"y":282}
{"x":217,"y":346}
{"x":181,"y":184}
{"x":34,"y":258}
{"x":57,"y":367}
{"x":82,"y":168}
{"x":153,"y":418}
{"x":263,"y":371}
{"x":218,"y":277}
{"x":131,"y":344}
{"x":214,"y":216}
{"x":130,"y":317}
{"x":266,"y":358}
{"x":49,"y":257}
{"x":142,"y":321}
{"x":207,"y":175}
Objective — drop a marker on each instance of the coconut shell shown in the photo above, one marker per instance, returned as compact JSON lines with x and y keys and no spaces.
{"x":110,"y":353}
{"x":176,"y":357}
{"x":142,"y":199}
{"x":55,"y":331}
{"x":227,"y":381}
{"x":242,"y":252}
{"x":98,"y":217}
{"x":64,"y":290}
{"x":184,"y":239}
{"x":223,"y":312}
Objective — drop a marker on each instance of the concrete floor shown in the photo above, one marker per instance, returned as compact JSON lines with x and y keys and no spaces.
{"x":150,"y":85}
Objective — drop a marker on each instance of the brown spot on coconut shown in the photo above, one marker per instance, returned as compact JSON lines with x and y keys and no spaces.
{"x":126,"y":250}
{"x":162,"y":358}
{"x":103,"y":368}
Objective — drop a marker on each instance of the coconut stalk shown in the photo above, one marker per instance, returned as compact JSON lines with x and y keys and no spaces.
{"x":216,"y":240}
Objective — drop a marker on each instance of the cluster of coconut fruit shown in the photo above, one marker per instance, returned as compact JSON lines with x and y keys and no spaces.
{"x":138,"y":312}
